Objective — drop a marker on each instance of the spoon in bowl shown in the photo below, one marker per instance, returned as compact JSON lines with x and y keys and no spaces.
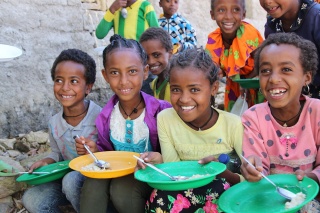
{"x":283,"y":192}
{"x":175,"y":178}
{"x":99,"y":163}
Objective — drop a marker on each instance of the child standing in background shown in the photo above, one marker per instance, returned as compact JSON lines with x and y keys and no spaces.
{"x":73,"y":73}
{"x":299,"y":16}
{"x":126,"y":123}
{"x":140,"y":16}
{"x":183,"y":35}
{"x":157,"y":44}
{"x":231,"y":46}
{"x":194,"y":130}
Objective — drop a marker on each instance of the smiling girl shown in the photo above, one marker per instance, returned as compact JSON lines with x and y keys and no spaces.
{"x":194,"y":130}
{"x":231,"y":46}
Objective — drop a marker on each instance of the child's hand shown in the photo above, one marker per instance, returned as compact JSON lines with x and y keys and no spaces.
{"x":207,"y":160}
{"x":300,"y":174}
{"x":149,"y":157}
{"x":40,"y":163}
{"x":250,"y":173}
{"x":80,"y":148}
{"x":117,"y":4}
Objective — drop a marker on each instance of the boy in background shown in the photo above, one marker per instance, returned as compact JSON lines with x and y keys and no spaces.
{"x":183,"y":35}
{"x":128,"y":18}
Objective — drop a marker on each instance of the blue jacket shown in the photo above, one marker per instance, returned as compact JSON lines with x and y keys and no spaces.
{"x":153,"y":107}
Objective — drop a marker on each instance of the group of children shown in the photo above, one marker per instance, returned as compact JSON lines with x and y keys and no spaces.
{"x":180,"y":122}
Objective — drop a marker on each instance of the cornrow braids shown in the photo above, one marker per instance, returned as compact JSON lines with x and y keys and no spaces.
{"x":157,"y":33}
{"x":80,"y":57}
{"x":118,"y":42}
{"x":197,"y":58}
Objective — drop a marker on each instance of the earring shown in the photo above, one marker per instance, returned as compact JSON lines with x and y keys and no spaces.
{"x":260,"y":91}
{"x":306,"y":90}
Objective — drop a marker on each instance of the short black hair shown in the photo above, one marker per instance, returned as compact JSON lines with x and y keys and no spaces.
{"x":117,"y":42}
{"x":242,"y":1}
{"x":197,"y":58}
{"x":308,"y":51}
{"x":157,"y":33}
{"x":80,"y":57}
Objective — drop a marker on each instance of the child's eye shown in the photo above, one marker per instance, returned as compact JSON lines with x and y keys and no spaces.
{"x":263,"y":71}
{"x":156,"y":55}
{"x":194,"y":90}
{"x":221,"y":10}
{"x":58,"y":80}
{"x":174,"y":90}
{"x":114,"y":72}
{"x":286,"y":69}
{"x":132,"y":71}
{"x":236,"y":9}
{"x":74,"y":81}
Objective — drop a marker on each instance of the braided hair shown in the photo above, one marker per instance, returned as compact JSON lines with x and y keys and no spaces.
{"x":199,"y":59}
{"x":118,"y":42}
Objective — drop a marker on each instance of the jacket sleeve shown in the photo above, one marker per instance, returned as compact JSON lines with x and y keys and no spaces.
{"x":105,"y":25}
{"x":151,"y":16}
{"x":191,"y":38}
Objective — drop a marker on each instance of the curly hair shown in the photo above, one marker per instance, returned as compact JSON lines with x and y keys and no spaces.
{"x":157,"y":33}
{"x":118,"y":42}
{"x":80,"y":57}
{"x":199,"y":59}
{"x":243,"y":2}
{"x":308,"y":51}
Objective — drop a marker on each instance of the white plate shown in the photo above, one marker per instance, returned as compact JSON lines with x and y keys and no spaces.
{"x":8,"y":52}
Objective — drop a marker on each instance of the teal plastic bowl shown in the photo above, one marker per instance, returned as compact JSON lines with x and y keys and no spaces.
{"x":206,"y":173}
{"x":57,"y":171}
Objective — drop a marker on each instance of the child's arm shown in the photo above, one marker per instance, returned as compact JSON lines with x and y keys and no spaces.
{"x":107,"y":22}
{"x":41,"y":163}
{"x":191,"y":38}
{"x":151,"y":16}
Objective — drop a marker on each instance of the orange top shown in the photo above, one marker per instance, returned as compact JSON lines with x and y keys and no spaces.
{"x":237,"y":61}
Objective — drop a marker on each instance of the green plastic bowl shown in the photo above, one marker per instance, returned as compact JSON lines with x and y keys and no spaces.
{"x":183,"y":168}
{"x":57,"y":171}
{"x":250,"y":83}
{"x":262,"y":197}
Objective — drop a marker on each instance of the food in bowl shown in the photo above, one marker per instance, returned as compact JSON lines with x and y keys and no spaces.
{"x":295,"y":201}
{"x":94,"y":167}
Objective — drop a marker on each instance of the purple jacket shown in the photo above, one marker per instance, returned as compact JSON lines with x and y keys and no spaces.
{"x":153,"y":107}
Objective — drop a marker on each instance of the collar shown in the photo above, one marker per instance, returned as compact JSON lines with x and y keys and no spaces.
{"x":276,"y":24}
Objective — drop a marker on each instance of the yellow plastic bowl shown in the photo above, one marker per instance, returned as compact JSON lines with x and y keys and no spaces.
{"x":121,"y":163}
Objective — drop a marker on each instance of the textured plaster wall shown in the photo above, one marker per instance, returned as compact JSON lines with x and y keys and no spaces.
{"x":42,"y":29}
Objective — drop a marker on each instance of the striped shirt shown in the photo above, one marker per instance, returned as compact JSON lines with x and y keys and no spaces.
{"x":141,"y":16}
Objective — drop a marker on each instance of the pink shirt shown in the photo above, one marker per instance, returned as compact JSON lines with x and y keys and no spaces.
{"x":262,"y":137}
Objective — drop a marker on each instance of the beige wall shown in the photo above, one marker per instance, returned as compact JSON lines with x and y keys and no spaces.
{"x":42,"y":29}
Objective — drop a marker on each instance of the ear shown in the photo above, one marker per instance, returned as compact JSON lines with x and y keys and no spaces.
{"x":212,"y":15}
{"x":244,"y":14}
{"x":89,"y":88}
{"x":146,"y":72}
{"x":308,"y":77}
{"x":160,"y":4}
{"x":104,"y":74}
{"x":214,"y":88}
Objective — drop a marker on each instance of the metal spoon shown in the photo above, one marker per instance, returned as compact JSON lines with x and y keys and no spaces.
{"x":175,"y":178}
{"x":100,"y":163}
{"x":34,"y":173}
{"x":283,"y":192}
